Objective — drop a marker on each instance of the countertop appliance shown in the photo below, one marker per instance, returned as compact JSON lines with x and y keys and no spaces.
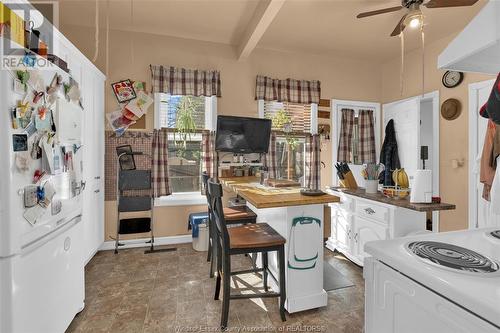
{"x":421,"y":191}
{"x":436,"y":282}
{"x":41,"y":263}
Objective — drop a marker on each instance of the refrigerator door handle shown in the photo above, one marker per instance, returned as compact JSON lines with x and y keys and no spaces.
{"x":46,"y":238}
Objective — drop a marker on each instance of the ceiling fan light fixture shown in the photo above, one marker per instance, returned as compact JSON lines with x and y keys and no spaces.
{"x":415,"y":18}
{"x":415,"y":22}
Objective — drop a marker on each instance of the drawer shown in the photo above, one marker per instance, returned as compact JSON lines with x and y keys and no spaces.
{"x":372,"y":211}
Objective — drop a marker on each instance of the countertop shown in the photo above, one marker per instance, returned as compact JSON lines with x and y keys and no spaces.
{"x":404,"y":203}
{"x":268,"y":197}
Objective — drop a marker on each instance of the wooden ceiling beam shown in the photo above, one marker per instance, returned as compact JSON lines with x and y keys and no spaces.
{"x":264,"y":14}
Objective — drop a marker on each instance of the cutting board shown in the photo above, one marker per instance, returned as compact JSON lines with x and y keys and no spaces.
{"x":283,"y":183}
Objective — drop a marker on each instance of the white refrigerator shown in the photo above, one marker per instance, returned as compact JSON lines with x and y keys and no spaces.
{"x":41,"y":262}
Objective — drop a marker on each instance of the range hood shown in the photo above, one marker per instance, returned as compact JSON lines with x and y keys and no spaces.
{"x":477,"y":47}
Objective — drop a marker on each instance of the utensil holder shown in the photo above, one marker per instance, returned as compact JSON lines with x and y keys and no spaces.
{"x":371,"y":186}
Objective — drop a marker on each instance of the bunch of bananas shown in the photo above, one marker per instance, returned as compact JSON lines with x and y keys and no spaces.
{"x":400,"y":178}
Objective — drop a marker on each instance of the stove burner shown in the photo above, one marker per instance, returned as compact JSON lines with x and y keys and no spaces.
{"x":453,"y":256}
{"x":495,"y":234}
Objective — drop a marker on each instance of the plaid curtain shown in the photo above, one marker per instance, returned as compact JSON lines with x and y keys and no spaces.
{"x":312,"y":170}
{"x":161,"y":186}
{"x":289,"y":90}
{"x":208,"y":155}
{"x":271,"y":160}
{"x":366,"y":143}
{"x":181,"y":81}
{"x":346,"y":133}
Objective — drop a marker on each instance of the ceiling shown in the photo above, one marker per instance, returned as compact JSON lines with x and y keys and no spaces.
{"x":327,"y":27}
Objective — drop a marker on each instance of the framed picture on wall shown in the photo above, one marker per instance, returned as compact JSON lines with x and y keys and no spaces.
{"x":123,"y":90}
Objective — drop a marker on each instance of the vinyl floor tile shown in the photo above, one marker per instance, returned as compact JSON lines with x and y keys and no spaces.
{"x":168,"y":292}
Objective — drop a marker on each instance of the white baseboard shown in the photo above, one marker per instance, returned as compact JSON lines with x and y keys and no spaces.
{"x":141,"y":242}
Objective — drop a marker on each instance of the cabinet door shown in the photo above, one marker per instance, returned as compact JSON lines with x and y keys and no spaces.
{"x":88,"y":218}
{"x":366,"y":231}
{"x":98,"y":158}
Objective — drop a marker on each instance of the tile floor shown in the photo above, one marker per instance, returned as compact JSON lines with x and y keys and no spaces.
{"x":171,"y":292}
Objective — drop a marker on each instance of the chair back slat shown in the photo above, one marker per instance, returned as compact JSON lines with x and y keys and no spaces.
{"x":215,"y":192}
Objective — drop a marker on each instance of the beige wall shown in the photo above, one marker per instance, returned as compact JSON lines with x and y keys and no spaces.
{"x":340,"y":78}
{"x":453,"y":134}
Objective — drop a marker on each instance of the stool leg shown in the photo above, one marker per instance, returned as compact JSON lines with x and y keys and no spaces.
{"x":281,"y":259}
{"x":218,"y":260}
{"x":209,"y":254}
{"x":264,"y":272}
{"x":214,"y":254}
{"x":226,"y":285}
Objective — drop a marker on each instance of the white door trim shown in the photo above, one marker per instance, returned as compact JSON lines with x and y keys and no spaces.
{"x":434,"y":96}
{"x":473,"y":151}
{"x":336,"y":106}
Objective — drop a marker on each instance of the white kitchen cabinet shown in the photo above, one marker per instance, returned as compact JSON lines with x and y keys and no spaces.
{"x":92,"y":89}
{"x":356,"y":221}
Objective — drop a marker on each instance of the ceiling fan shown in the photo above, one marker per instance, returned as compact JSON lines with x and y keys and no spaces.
{"x":414,"y":17}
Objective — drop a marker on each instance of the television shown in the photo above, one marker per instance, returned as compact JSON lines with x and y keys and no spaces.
{"x":242,"y":135}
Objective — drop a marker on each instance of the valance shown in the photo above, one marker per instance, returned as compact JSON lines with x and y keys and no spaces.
{"x":288,"y":90}
{"x":180,"y":81}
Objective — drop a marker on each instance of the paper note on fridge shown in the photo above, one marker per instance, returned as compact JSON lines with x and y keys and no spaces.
{"x":33,"y":214}
{"x":53,"y":156}
{"x":140,"y":105}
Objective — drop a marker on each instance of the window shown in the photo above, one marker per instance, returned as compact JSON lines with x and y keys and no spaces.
{"x":290,"y":159}
{"x":184,"y":151}
{"x":290,"y":149}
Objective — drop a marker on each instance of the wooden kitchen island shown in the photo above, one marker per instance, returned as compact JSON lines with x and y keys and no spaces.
{"x":299,"y":219}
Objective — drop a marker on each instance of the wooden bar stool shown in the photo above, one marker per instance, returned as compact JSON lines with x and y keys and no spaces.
{"x":250,"y":238}
{"x":232,"y":215}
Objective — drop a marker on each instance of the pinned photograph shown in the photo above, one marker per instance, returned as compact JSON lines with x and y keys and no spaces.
{"x":140,"y":105}
{"x":124,"y":91}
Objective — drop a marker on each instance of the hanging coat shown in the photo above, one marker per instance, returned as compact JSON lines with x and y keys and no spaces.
{"x":389,"y":155}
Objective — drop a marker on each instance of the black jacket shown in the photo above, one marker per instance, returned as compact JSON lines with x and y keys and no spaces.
{"x":389,"y":155}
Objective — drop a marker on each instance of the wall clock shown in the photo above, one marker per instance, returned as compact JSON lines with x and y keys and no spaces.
{"x":452,"y":79}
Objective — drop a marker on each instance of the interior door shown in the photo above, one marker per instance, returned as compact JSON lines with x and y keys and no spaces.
{"x":406,"y":116}
{"x":479,"y":216}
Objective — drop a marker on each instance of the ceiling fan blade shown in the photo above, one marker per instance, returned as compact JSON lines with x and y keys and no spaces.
{"x":400,"y":27}
{"x":449,"y":3}
{"x":379,"y":11}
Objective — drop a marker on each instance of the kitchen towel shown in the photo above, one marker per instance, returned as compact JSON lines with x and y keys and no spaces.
{"x":487,"y":172}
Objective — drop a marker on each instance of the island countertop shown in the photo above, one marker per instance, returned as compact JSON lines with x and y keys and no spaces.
{"x":404,"y":203}
{"x":268,"y":197}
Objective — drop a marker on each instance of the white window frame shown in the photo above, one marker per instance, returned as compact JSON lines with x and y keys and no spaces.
{"x":336,"y":120}
{"x":186,"y":198}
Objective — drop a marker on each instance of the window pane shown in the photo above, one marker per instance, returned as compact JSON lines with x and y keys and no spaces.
{"x":184,"y":163}
{"x":290,"y":162}
{"x":182,"y":111}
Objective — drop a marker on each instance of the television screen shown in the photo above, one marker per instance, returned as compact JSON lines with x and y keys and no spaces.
{"x":242,"y":135}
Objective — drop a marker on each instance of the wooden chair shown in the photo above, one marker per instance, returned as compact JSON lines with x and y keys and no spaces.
{"x":250,"y":238}
{"x":232,"y":215}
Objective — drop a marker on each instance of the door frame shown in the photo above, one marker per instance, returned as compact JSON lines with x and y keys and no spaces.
{"x":473,"y":151}
{"x":336,"y":106}
{"x":434,"y":97}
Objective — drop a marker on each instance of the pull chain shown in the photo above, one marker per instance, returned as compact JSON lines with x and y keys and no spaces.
{"x":423,"y":57}
{"x":96,"y":36}
{"x":401,"y":77}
